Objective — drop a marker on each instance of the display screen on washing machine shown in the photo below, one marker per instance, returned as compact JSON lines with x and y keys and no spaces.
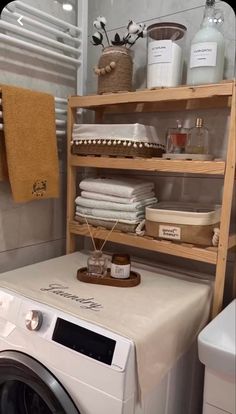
{"x":83,"y":340}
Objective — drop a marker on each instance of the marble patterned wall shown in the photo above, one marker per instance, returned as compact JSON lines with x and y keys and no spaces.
{"x":35,"y":231}
{"x":189,"y":13}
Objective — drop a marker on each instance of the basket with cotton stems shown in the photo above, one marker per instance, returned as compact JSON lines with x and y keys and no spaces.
{"x":115,"y":65}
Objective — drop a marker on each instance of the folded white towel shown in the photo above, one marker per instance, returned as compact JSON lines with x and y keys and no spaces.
{"x":121,"y":187}
{"x":115,"y":199}
{"x":97,"y":212}
{"x":136,"y":221}
{"x":108,"y":205}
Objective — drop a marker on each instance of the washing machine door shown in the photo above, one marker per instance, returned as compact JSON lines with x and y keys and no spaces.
{"x":27,"y":387}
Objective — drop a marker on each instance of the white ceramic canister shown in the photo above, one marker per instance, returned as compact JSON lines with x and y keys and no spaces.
{"x":165,"y":54}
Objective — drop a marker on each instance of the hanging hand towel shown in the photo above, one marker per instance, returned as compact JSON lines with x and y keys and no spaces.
{"x":30,"y":139}
{"x":3,"y":161}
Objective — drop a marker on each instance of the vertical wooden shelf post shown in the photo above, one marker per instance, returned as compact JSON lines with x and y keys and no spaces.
{"x":71,"y":181}
{"x":227,"y":199}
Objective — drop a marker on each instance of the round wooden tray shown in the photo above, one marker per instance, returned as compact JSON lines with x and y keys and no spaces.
{"x":133,"y":280}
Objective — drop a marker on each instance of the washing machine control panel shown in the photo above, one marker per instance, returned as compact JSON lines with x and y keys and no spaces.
{"x":84,"y":341}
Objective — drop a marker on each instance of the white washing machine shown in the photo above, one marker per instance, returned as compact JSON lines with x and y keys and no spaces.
{"x":54,"y":363}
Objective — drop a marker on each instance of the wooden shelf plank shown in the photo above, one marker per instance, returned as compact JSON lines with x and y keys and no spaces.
{"x":150,"y":164}
{"x":158,"y":95}
{"x":170,"y":106}
{"x":162,"y":246}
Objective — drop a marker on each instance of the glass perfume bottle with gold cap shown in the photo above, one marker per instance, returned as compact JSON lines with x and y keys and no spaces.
{"x":198,"y":139}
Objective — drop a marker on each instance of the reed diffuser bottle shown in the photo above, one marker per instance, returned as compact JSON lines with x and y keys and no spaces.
{"x":206,"y":63}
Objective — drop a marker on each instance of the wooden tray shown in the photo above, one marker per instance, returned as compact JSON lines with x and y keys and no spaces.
{"x":133,"y":280}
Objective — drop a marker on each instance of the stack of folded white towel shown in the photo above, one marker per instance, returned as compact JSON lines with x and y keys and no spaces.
{"x":114,"y":199}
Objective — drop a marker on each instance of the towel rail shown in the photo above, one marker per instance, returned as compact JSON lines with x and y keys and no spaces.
{"x":40,"y":25}
{"x":59,"y":111}
{"x":61,"y":100}
{"x":39,"y":13}
{"x":36,"y":36}
{"x":35,"y":48}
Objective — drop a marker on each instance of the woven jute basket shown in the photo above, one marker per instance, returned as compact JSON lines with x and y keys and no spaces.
{"x":110,"y":149}
{"x":115,"y":69}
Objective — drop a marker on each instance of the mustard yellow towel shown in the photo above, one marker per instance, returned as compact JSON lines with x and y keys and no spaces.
{"x":30,"y":140}
{"x":3,"y":161}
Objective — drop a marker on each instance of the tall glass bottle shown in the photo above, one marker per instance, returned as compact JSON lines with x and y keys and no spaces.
{"x":206,"y":64}
{"x":198,"y":139}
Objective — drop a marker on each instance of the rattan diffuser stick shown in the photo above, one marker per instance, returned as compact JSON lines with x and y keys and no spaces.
{"x":108,"y":235}
{"x":91,"y":235}
{"x":94,"y":245}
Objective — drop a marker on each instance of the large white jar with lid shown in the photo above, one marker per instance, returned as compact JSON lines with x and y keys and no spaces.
{"x":206,"y":63}
{"x":165,"y":54}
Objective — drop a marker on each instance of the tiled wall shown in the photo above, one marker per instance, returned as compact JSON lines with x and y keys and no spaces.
{"x":190,"y":14}
{"x":35,"y":231}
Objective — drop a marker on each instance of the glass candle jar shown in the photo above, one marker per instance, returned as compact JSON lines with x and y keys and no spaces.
{"x":96,"y":264}
{"x":120,"y":266}
{"x":165,"y":54}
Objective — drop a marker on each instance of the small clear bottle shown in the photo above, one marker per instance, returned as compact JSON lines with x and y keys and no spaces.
{"x":198,"y":139}
{"x":206,"y":63}
{"x":96,"y":264}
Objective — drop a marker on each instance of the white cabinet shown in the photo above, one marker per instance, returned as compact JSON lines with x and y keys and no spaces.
{"x":217,"y":351}
{"x":219,"y":393}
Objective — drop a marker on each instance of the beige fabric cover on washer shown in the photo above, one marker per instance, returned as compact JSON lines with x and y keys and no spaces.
{"x":162,"y":315}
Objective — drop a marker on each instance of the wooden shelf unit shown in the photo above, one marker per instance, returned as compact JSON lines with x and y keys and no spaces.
{"x":162,"y":99}
{"x":150,"y":164}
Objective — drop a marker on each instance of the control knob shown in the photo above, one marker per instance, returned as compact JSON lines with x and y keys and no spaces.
{"x":34,"y":320}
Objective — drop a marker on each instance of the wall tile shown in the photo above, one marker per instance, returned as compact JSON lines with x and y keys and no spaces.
{"x":12,"y":259}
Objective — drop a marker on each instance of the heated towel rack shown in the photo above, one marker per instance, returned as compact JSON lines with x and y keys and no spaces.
{"x":36,"y":31}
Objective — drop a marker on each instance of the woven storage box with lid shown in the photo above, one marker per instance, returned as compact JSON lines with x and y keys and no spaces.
{"x":124,"y":140}
{"x":183,"y":222}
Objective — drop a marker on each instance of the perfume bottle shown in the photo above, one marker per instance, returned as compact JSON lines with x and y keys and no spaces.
{"x":206,"y":63}
{"x":176,"y":139}
{"x":96,"y":264}
{"x":198,"y":139}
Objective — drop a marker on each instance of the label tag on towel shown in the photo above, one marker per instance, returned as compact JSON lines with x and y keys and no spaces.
{"x":169,"y":232}
{"x":39,"y":188}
